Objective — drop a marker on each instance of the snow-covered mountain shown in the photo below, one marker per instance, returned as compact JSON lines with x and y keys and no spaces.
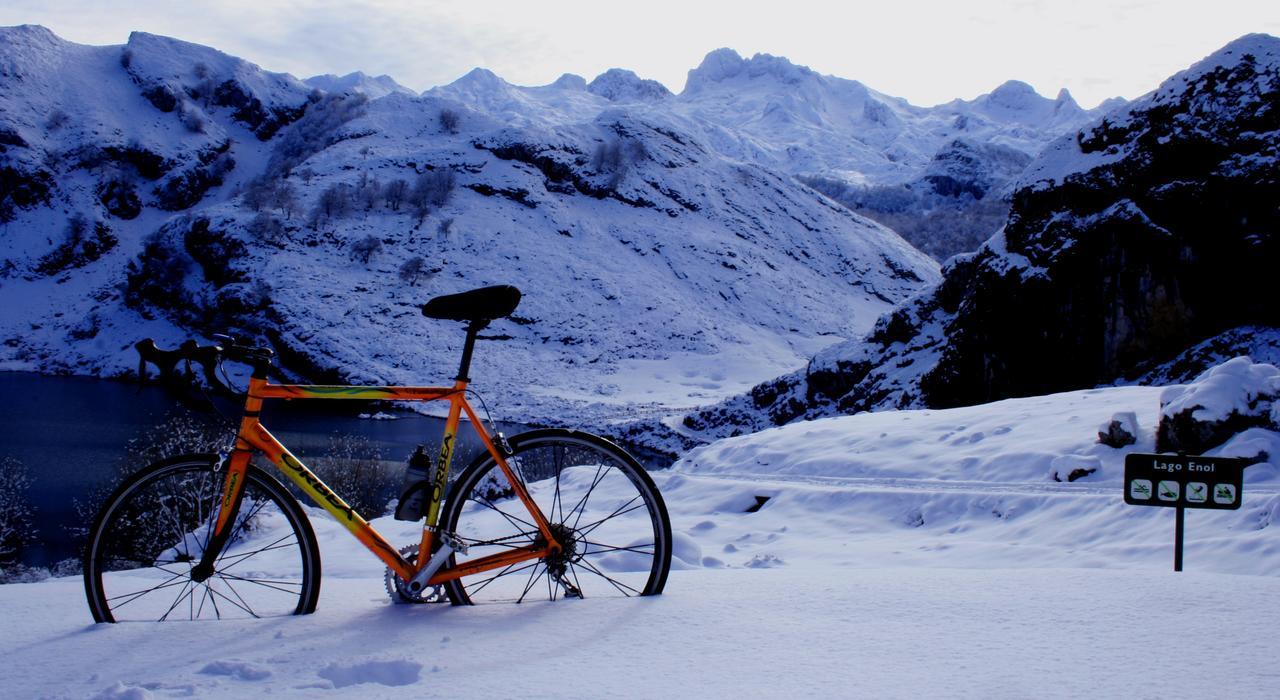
{"x":187,"y":191}
{"x":372,"y":87}
{"x":1149,"y":231}
{"x":940,"y":175}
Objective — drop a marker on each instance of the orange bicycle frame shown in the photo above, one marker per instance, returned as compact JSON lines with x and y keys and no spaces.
{"x":253,"y":436}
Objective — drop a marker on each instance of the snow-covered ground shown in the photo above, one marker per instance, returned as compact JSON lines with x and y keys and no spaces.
{"x":897,"y":554}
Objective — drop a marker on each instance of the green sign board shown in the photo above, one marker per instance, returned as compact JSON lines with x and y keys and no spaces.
{"x":1183,"y":481}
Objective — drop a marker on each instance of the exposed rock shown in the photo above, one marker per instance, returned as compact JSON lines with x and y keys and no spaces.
{"x":1142,"y":235}
{"x":1120,"y":431}
{"x":1226,"y":400}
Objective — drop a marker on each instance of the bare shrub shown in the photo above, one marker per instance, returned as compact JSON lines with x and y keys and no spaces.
{"x":56,"y":120}
{"x":315,"y":131}
{"x":284,"y":198}
{"x":192,"y":118}
{"x":395,"y":193}
{"x":432,"y":190}
{"x":414,"y":269}
{"x":334,"y":203}
{"x":84,"y":243}
{"x":16,"y":528}
{"x":365,"y":248}
{"x":256,"y":194}
{"x":353,"y":468}
{"x":369,"y":193}
{"x":179,"y":434}
{"x":267,"y":229}
{"x":449,"y":120}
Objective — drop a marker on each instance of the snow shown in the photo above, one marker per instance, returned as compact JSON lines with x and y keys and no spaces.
{"x":1233,"y":387}
{"x":896,"y":554}
{"x":692,"y":259}
{"x":371,"y":86}
{"x":1065,"y":156}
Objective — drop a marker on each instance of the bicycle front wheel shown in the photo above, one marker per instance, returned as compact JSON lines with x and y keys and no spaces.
{"x":603,"y":508}
{"x":153,"y":530}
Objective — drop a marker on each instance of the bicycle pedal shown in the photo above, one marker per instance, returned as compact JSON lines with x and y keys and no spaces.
{"x":454,"y":542}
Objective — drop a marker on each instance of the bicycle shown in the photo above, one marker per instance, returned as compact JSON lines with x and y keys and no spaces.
{"x":214,"y":535}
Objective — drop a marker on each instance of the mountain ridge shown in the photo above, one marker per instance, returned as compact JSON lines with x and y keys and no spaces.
{"x":1148,"y":232}
{"x":231,"y":198}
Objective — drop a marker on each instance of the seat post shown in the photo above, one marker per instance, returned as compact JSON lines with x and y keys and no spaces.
{"x":464,"y":368}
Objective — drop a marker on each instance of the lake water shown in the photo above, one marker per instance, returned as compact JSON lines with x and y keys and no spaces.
{"x":72,"y":432}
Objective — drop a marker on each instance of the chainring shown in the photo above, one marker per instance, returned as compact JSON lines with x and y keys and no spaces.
{"x":398,"y":588}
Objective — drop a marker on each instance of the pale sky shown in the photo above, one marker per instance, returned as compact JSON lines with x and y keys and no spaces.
{"x":927,"y":52}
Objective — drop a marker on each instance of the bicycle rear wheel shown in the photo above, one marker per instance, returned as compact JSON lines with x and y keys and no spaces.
{"x":152,"y":532}
{"x":603,"y":509}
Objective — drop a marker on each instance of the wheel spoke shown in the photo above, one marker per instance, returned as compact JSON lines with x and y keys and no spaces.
{"x":240,"y":557}
{"x":533,"y":578}
{"x":616,"y":584}
{"x":138,"y":594}
{"x":592,"y":513}
{"x":510,"y":518}
{"x":606,"y":548}
{"x":510,"y":569}
{"x":184,"y":593}
{"x":245,"y":607}
{"x":266,"y":583}
{"x":177,"y":500}
{"x":595,"y":481}
{"x":586,"y":530}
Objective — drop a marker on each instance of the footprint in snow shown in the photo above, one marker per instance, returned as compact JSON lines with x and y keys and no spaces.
{"x":236,"y":669}
{"x":763,"y":561}
{"x":390,"y":673}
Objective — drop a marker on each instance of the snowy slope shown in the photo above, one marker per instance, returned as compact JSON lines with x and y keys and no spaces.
{"x":808,"y":123}
{"x":899,"y":554}
{"x":657,"y":270}
{"x":941,"y":176}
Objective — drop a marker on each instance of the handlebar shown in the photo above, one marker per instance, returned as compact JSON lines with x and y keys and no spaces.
{"x":209,"y":357}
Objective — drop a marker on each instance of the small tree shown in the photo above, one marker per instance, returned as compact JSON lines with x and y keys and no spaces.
{"x":431,"y":190}
{"x":413,"y":269}
{"x":284,"y":198}
{"x":369,"y":192}
{"x":334,"y":203}
{"x":365,"y":248}
{"x":608,"y":157}
{"x":449,"y":120}
{"x":16,"y":529}
{"x":257,"y":194}
{"x":56,"y":120}
{"x":445,"y":227}
{"x":191,"y":118}
{"x":267,"y":229}
{"x":395,"y":193}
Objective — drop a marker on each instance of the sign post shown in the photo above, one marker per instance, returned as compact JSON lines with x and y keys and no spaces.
{"x":1181,"y":482}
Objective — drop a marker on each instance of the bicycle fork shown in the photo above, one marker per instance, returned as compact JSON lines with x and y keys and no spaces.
{"x":237,"y":464}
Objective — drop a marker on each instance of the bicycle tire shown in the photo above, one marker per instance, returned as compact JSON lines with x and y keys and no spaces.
{"x":618,"y":545}
{"x":150,"y":532}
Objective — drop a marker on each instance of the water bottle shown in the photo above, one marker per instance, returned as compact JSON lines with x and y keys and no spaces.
{"x":417,"y":483}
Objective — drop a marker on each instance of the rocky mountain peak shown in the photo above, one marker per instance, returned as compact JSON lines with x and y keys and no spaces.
{"x":1149,"y":231}
{"x":620,"y":85}
{"x":725,"y":65}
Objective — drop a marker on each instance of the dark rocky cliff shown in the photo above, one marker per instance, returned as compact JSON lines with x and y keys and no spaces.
{"x":1151,"y":230}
